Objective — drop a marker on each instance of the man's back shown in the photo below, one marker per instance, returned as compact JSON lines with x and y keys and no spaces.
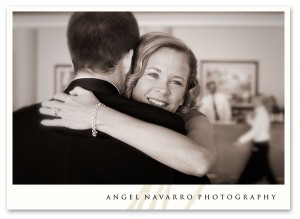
{"x":63,"y":156}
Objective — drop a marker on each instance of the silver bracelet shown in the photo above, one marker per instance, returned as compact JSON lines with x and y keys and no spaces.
{"x":94,"y":117}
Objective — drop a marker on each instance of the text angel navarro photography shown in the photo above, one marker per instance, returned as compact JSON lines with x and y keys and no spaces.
{"x":183,"y":197}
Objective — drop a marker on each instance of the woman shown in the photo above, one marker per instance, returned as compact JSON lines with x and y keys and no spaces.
{"x":164,"y":75}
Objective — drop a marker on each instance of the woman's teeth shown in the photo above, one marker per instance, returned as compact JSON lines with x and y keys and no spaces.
{"x":157,"y":102}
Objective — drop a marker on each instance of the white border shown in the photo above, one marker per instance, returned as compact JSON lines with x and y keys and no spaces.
{"x":93,"y":197}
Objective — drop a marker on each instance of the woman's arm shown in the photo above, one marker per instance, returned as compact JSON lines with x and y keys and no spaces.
{"x":193,"y":154}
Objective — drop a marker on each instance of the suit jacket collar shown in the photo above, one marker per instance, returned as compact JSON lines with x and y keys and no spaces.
{"x":94,"y":85}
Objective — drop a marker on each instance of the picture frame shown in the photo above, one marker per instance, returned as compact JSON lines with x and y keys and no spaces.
{"x":236,"y":79}
{"x":63,"y":75}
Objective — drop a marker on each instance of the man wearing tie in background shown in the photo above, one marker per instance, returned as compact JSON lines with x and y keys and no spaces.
{"x":215,"y":105}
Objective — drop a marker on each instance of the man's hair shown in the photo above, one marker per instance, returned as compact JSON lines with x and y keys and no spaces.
{"x":148,"y":45}
{"x":98,"y":40}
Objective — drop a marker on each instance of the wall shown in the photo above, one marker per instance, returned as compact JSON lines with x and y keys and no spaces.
{"x":52,"y":50}
{"x":264,"y":44}
{"x":24,"y":67}
{"x":231,"y":39}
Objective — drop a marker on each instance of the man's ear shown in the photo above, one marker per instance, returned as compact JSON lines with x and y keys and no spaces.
{"x":127,"y":61}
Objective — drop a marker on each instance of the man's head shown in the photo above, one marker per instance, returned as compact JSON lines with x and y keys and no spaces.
{"x":211,"y":87}
{"x":100,"y":41}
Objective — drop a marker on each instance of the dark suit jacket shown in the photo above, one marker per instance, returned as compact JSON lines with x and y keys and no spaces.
{"x":44,"y":155}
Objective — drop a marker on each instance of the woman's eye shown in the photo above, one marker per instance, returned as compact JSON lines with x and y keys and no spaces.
{"x":154,"y":75}
{"x":177,"y":83}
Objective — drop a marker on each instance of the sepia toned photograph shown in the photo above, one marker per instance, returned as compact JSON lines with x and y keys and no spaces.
{"x":149,"y":109}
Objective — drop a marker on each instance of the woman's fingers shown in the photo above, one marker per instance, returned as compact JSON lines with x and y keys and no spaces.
{"x":79,"y":91}
{"x":54,"y":122}
{"x":53,"y":104}
{"x":49,"y":111}
{"x":62,"y":97}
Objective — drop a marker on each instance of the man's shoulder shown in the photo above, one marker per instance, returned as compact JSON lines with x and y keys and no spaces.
{"x":27,"y":109}
{"x":27,"y":114}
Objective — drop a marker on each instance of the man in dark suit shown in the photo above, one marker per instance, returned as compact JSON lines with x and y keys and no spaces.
{"x":101,"y":46}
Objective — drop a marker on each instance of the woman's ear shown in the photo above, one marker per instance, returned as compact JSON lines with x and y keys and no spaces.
{"x":182,"y":101}
{"x":127,"y":61}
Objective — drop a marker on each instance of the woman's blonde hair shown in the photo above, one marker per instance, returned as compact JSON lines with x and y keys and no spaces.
{"x":150,"y":43}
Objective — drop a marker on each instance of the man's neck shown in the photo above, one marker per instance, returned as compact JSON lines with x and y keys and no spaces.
{"x":99,"y":76}
{"x":83,"y":74}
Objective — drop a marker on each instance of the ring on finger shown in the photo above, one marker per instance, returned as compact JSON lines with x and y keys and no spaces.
{"x":56,"y":112}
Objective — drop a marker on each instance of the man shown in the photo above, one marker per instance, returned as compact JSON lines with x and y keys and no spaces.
{"x":215,"y":105}
{"x":101,"y":46}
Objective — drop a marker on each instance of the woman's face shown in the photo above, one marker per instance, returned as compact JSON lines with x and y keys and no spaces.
{"x":164,"y":81}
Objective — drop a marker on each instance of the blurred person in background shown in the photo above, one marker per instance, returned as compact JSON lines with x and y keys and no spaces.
{"x":258,"y":165}
{"x":215,"y":105}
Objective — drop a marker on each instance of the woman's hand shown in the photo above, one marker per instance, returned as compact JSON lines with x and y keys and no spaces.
{"x":72,"y":111}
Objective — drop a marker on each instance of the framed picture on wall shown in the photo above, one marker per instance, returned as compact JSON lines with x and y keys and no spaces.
{"x":63,"y":75}
{"x":236,"y":79}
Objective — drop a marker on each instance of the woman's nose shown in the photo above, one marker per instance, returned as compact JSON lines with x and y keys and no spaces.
{"x":163,"y":88}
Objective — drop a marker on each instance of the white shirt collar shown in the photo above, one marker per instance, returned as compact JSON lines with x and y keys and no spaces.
{"x":81,"y":77}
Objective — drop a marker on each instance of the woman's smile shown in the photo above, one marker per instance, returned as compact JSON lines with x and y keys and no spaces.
{"x":158,"y":103}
